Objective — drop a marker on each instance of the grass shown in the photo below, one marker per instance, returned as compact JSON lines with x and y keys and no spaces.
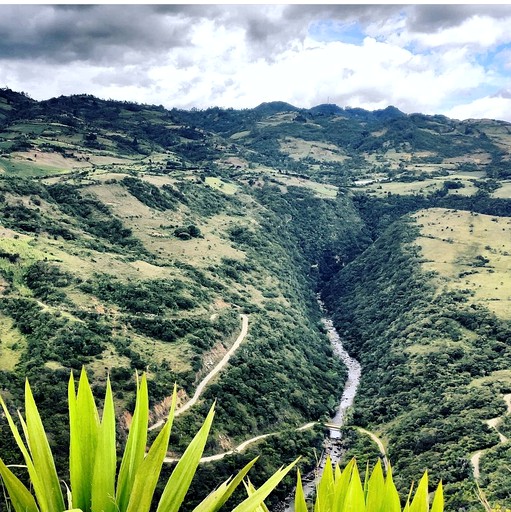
{"x":396,"y":187}
{"x":500,"y":377}
{"x":12,"y":344}
{"x":423,"y":187}
{"x":321,"y":151}
{"x":223,"y":186}
{"x":26,"y":248}
{"x":503,"y":192}
{"x":320,"y":189}
{"x":147,"y":226}
{"x":27,"y":169}
{"x":177,"y":354}
{"x":470,"y":252}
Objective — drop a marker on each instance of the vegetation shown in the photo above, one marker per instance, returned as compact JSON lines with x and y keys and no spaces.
{"x":94,"y":482}
{"x":345,"y":491}
{"x":133,"y":236}
{"x":406,"y":333}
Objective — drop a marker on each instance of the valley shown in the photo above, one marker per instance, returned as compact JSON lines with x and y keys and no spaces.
{"x":135,"y":238}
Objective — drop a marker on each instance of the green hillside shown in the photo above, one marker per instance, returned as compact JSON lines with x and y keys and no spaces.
{"x":133,"y":237}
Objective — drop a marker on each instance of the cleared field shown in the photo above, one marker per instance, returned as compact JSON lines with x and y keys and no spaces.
{"x":299,"y":148}
{"x":320,"y":189}
{"x":415,"y":187}
{"x":470,"y":252}
{"x":12,"y":343}
{"x":424,"y":186}
{"x":223,"y":186}
{"x":499,"y":376}
{"x":503,"y":192}
{"x":27,"y":169}
{"x":155,"y":229}
{"x":177,"y":355}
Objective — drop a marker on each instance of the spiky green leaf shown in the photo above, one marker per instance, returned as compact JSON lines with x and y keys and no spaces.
{"x":300,"y":503}
{"x":135,"y":446}
{"x":181,"y":478}
{"x":214,"y":501}
{"x":84,"y":432}
{"x":149,"y":470}
{"x":420,"y":500}
{"x":375,"y":489}
{"x":255,"y":500}
{"x":438,"y":501}
{"x":103,"y":481}
{"x":354,"y":501}
{"x":391,"y":501}
{"x":325,"y":491}
{"x":20,"y":496}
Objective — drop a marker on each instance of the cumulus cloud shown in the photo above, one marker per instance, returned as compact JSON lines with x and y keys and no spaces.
{"x":489,"y":107}
{"x":451,"y":59}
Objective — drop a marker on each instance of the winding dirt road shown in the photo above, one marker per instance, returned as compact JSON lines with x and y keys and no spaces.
{"x":378,"y":441}
{"x":212,"y":374}
{"x":345,"y":402}
{"x":493,"y":423}
{"x":243,"y":445}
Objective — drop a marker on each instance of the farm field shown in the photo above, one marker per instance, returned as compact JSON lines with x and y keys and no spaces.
{"x":470,"y":252}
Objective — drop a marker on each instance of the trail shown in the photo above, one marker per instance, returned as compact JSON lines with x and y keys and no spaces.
{"x":492,"y":423}
{"x":378,"y":441}
{"x":212,"y":374}
{"x":241,"y":447}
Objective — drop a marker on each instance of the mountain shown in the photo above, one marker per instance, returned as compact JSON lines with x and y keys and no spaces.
{"x":134,"y":236}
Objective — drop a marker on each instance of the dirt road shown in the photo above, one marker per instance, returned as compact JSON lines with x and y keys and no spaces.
{"x":211,"y":375}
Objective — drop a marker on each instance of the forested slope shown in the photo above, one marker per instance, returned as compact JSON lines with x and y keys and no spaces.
{"x":428,"y":355}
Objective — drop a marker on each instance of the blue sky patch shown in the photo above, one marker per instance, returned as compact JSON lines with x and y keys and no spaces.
{"x":327,"y":31}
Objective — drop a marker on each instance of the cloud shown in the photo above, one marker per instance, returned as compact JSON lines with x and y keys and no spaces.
{"x":98,"y":33}
{"x":429,"y":58}
{"x":489,"y":107}
{"x":432,"y":18}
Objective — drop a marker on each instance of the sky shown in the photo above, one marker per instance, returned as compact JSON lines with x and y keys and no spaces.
{"x":453,"y":60}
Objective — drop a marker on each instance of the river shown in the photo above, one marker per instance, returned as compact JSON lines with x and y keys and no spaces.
{"x":331,"y":444}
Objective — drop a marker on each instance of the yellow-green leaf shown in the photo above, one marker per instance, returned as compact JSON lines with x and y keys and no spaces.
{"x":391,"y":501}
{"x":103,"y":481}
{"x":300,"y":503}
{"x":219,"y":496}
{"x":251,"y":490}
{"x":83,"y":431}
{"x":41,"y":455}
{"x":354,"y":501}
{"x":438,"y":500}
{"x":149,"y":470}
{"x":135,"y":446}
{"x":325,"y":490}
{"x":179,"y":482}
{"x":420,"y":500}
{"x":375,"y":489}
{"x":255,"y":500}
{"x":20,"y":496}
{"x":341,"y":484}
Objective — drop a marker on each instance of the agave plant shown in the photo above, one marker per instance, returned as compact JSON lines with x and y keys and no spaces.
{"x":343,"y":491}
{"x":95,"y":484}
